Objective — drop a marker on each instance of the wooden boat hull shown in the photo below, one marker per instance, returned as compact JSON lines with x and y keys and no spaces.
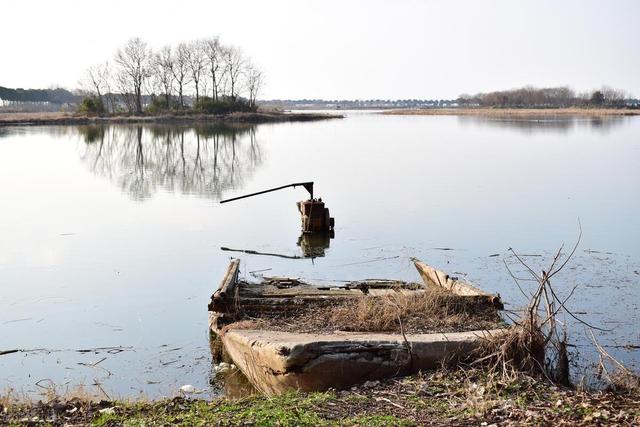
{"x":276,"y":361}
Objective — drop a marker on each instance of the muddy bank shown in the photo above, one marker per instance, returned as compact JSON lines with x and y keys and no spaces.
{"x":460,"y":397}
{"x":38,"y":119}
{"x":517,"y":112}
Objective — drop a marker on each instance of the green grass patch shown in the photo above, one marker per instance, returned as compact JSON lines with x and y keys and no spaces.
{"x":290,"y":409}
{"x":378,"y":421}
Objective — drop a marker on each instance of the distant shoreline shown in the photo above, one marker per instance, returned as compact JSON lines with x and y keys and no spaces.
{"x":516,"y":112}
{"x":42,"y":119}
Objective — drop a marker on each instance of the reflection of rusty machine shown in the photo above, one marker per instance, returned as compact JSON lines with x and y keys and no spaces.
{"x":313,"y":245}
{"x":315,"y":216}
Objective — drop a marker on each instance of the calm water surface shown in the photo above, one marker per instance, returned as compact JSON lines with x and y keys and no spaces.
{"x":110,"y":237}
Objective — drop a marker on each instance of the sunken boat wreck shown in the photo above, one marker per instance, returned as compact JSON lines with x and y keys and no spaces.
{"x":284,"y":333}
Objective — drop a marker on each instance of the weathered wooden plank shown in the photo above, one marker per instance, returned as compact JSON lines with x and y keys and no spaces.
{"x":380,"y":292}
{"x":436,"y":278}
{"x":226,"y":288}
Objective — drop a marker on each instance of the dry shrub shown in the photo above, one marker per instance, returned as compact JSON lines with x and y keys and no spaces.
{"x":623,"y":380}
{"x":10,"y":397}
{"x":536,"y":345}
{"x":617,"y":376}
{"x":520,"y":349}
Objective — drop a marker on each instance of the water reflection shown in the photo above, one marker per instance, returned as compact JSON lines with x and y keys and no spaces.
{"x":552,"y":124}
{"x":203,"y":160}
{"x":312,"y":245}
{"x":230,"y":381}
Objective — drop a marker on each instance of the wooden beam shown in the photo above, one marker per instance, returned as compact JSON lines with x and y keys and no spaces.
{"x":436,"y":278}
{"x":226,"y":287}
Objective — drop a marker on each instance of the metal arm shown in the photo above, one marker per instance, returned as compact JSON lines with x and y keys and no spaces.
{"x":307,"y":185}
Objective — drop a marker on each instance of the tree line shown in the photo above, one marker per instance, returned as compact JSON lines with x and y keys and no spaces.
{"x":55,"y":96}
{"x":552,"y":97}
{"x":214,"y":76}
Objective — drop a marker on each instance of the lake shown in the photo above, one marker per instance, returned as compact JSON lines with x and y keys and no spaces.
{"x":111,"y":237}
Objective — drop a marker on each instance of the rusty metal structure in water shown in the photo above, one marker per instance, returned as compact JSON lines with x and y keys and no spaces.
{"x":314,"y":214}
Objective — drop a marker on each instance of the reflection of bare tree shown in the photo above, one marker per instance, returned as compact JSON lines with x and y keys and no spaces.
{"x":551,"y":124}
{"x":204,"y":160}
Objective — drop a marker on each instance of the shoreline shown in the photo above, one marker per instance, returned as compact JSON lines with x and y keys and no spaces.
{"x":45,"y":118}
{"x":442,"y":397}
{"x":516,"y":112}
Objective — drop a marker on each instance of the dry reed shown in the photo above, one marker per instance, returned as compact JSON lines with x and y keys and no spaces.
{"x":415,"y":312}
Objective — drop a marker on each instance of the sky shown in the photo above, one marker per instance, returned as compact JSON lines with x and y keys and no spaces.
{"x":343,"y":49}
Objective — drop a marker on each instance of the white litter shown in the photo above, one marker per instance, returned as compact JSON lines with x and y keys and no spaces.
{"x":187,"y":388}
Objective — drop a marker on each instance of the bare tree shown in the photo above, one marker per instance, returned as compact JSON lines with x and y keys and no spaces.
{"x":108,"y":87}
{"x":180,"y":70}
{"x":204,"y":85}
{"x":123,"y":85}
{"x":212,"y":67}
{"x":254,"y":82}
{"x":613,"y":97}
{"x":233,"y":65}
{"x":163,"y":72}
{"x":134,"y":61}
{"x":96,"y":79}
{"x":196,"y":60}
{"x":213,"y":52}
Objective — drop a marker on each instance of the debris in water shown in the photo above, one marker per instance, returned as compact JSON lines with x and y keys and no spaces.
{"x":223,"y":367}
{"x":260,"y":271}
{"x":187,"y":388}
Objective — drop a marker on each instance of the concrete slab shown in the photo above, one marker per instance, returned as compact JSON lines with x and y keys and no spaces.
{"x":278,"y":361}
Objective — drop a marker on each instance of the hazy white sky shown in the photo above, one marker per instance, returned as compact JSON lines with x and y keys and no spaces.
{"x":343,"y":49}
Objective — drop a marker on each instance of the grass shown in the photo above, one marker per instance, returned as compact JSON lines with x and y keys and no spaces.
{"x":423,"y":312}
{"x":461,"y":396}
{"x":416,"y":312}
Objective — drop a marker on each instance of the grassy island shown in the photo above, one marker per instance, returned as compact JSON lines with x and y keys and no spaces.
{"x":38,"y":119}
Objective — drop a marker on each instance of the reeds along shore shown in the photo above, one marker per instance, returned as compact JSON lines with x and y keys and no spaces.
{"x":517,"y":112}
